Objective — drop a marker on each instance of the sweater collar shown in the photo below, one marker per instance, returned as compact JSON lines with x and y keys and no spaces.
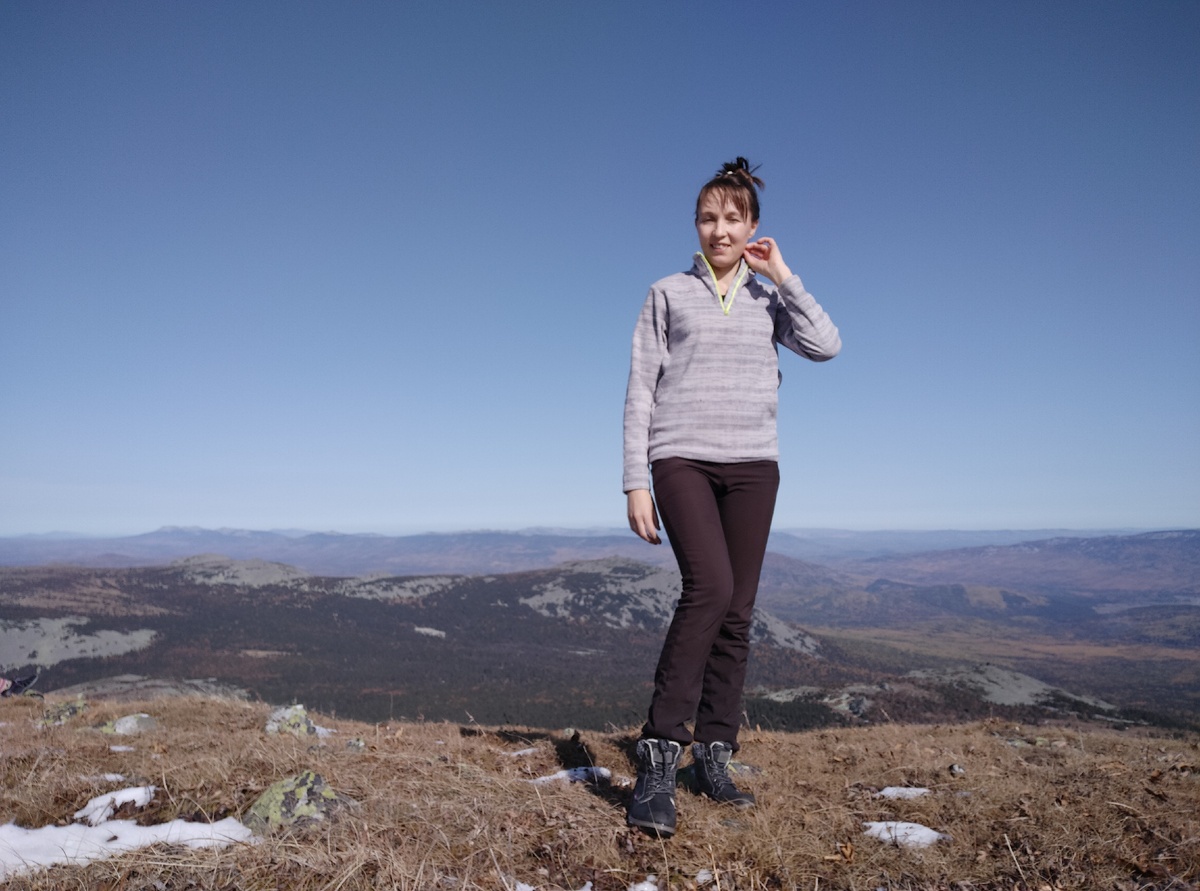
{"x":704,"y":271}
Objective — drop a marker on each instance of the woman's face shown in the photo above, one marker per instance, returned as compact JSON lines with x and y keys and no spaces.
{"x":724,"y":232}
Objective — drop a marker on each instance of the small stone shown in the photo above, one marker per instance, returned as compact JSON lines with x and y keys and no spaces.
{"x":129,"y":725}
{"x":294,"y":719}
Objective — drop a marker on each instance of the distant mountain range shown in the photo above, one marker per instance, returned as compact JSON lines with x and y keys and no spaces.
{"x":449,"y":627}
{"x":334,"y":553}
{"x":1057,"y":580}
{"x":331,"y":553}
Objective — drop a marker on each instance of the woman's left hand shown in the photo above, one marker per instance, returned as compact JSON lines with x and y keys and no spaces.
{"x":765,"y":258}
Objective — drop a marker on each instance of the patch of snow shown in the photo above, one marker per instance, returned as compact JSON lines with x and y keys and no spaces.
{"x":906,"y":835}
{"x":650,"y":884}
{"x":903,"y":793}
{"x":520,"y":752}
{"x":25,"y":850}
{"x":576,"y":775}
{"x":120,"y":748}
{"x":429,"y":632}
{"x":102,"y":807}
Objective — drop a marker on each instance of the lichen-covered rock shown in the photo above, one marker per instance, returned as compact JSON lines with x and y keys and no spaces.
{"x":294,"y":803}
{"x":129,"y":725}
{"x":61,"y":713}
{"x":294,"y":719}
{"x":358,"y":744}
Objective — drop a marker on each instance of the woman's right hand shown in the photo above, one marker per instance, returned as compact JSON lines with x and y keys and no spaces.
{"x":765,"y":258}
{"x":643,"y":518}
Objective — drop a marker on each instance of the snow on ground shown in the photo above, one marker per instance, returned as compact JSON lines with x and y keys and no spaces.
{"x":902,"y":792}
{"x":104,"y":806}
{"x":22,"y":850}
{"x":576,"y":775}
{"x":906,"y":835}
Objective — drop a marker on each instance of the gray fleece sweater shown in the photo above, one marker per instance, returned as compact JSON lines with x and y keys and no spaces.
{"x":703,"y":381}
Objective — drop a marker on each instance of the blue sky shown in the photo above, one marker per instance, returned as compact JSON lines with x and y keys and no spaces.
{"x":375,"y":266}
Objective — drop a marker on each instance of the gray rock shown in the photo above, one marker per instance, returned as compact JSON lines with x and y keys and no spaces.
{"x":295,"y":803}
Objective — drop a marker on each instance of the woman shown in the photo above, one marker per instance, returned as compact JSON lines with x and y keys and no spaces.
{"x":700,"y":423}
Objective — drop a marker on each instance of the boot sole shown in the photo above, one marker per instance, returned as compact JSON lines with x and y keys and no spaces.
{"x":650,"y":826}
{"x":741,"y":804}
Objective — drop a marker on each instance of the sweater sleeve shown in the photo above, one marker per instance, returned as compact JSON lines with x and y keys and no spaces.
{"x":649,"y":351}
{"x":802,"y":326}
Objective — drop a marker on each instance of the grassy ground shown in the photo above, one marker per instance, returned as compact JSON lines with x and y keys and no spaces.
{"x":451,"y":806}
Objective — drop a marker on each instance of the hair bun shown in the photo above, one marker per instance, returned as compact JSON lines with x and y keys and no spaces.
{"x":741,"y":171}
{"x":734,"y":182}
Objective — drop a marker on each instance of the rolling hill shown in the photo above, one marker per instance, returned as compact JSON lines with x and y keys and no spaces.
{"x":576,"y":642}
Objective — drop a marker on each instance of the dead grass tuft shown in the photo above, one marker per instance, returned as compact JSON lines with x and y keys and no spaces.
{"x":443,"y":806}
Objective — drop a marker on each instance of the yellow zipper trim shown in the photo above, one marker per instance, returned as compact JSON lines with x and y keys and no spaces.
{"x":726,"y":305}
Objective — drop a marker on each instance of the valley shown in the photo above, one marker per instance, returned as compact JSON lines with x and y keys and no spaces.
{"x":574,"y":644}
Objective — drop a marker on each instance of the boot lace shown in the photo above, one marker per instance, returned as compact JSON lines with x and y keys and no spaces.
{"x":660,"y":769}
{"x":718,"y":775}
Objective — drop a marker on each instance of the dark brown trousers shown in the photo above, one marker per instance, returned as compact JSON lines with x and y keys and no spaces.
{"x":717,"y":517}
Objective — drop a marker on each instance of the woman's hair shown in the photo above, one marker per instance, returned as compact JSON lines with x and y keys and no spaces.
{"x":736,"y":184}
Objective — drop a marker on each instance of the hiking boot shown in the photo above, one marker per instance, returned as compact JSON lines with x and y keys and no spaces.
{"x":712,"y":774}
{"x":653,"y":804}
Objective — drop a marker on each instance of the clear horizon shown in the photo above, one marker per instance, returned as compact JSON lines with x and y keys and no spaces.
{"x":600,"y":530}
{"x":376,"y":266}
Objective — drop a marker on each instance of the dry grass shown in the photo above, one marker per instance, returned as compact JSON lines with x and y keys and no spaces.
{"x":444,"y":806}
